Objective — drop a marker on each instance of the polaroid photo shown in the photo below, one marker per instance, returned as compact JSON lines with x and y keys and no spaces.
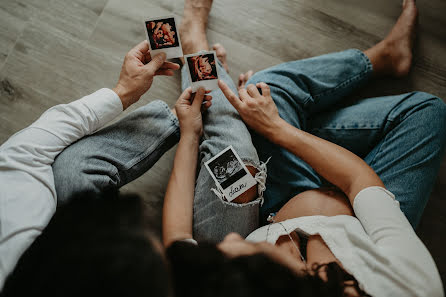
{"x":202,"y":70}
{"x":230,"y":173}
{"x":162,"y":35}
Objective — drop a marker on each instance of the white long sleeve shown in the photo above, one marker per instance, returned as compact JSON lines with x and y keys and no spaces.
{"x":27,"y":193}
{"x":387,"y":226}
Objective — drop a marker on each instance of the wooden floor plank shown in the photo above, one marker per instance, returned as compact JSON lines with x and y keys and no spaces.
{"x":77,"y":18}
{"x":10,"y":29}
{"x":56,"y":51}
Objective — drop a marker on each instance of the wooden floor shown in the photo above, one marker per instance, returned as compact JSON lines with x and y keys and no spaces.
{"x":56,"y":51}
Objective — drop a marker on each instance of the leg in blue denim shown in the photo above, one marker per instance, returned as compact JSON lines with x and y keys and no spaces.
{"x":213,"y":217}
{"x":301,"y":90}
{"x":401,"y":137}
{"x":117,"y":154}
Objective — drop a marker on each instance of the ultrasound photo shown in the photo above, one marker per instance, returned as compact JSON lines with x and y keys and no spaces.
{"x":227,"y":169}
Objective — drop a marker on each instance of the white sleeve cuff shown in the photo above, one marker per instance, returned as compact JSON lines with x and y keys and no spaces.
{"x":105,"y":103}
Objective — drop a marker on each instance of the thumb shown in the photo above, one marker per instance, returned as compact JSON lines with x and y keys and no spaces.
{"x":155,"y":63}
{"x":198,"y":99}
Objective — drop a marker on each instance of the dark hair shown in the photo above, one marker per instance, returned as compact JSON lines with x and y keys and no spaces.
{"x":204,"y":271}
{"x":94,"y":245}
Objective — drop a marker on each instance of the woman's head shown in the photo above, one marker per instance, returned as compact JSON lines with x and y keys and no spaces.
{"x":236,"y":267}
{"x":234,"y":246}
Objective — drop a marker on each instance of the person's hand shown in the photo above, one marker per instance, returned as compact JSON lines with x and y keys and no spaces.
{"x":257,"y":110}
{"x":188,"y":109}
{"x":138,"y":71}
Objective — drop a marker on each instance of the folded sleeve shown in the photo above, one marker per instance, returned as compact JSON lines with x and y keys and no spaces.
{"x":27,"y":192}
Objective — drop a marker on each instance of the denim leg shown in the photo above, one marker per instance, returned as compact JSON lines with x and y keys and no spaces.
{"x":301,"y":90}
{"x":401,"y":137}
{"x":117,"y":154}
{"x":213,"y":217}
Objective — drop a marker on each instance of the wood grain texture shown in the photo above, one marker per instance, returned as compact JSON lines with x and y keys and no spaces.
{"x":56,"y":51}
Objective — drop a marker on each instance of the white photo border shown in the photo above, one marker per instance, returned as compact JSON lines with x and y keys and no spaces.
{"x":243,"y":184}
{"x":209,"y":84}
{"x":171,"y":52}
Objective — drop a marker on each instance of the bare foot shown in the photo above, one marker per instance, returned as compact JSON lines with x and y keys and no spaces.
{"x":393,"y":55}
{"x":193,"y":26}
{"x":243,"y":78}
{"x":221,"y":55}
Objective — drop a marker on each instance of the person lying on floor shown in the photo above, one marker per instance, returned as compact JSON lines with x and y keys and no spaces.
{"x":345,"y":184}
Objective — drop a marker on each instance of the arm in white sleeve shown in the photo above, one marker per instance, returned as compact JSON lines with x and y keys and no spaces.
{"x":388,"y":227}
{"x":27,"y":193}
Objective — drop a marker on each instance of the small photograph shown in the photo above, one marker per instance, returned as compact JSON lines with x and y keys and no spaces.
{"x":203,"y":71}
{"x":230,"y":174}
{"x":227,"y":169}
{"x":162,"y":35}
{"x":202,"y":67}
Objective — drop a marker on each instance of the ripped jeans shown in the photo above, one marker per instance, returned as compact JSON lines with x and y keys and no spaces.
{"x":125,"y":150}
{"x":401,"y":137}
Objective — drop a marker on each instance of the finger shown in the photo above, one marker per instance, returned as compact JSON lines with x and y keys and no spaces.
{"x":198,"y":99}
{"x":232,"y":98}
{"x":205,"y":106}
{"x":207,"y":98}
{"x":252,"y":90}
{"x":156,"y":63}
{"x":170,"y":65}
{"x":186,"y":95}
{"x":142,"y":47}
{"x":244,"y":96}
{"x":265,"y":89}
{"x":165,"y":72}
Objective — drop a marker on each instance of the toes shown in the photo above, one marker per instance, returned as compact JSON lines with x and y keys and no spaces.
{"x":249,"y":74}
{"x":220,"y":50}
{"x":241,"y":81}
{"x":221,"y":54}
{"x":243,"y":78}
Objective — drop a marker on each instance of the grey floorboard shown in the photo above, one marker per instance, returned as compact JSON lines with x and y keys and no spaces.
{"x":56,"y":51}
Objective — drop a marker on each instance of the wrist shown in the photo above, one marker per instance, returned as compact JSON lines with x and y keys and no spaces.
{"x":124,"y":95}
{"x":190,"y":138}
{"x":275,"y":129}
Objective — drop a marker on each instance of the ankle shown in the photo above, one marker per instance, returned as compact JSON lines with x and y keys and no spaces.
{"x":193,"y":41}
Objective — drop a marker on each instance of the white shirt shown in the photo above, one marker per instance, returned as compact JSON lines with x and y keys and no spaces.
{"x":27,"y":193}
{"x":378,"y":247}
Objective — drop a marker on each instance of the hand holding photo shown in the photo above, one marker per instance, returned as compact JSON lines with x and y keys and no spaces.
{"x":230,"y":173}
{"x":203,"y":70}
{"x":161,"y":32}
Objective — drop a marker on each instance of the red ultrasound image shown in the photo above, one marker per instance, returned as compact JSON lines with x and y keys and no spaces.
{"x":162,"y":33}
{"x":202,"y":67}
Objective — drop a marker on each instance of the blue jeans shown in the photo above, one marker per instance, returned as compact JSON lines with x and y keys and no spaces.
{"x":402,"y":137}
{"x":120,"y":153}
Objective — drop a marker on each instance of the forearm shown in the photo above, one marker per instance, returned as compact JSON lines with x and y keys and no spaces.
{"x":336,"y":164}
{"x":178,"y":202}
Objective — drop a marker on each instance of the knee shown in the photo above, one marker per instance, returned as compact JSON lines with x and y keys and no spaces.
{"x":252,"y":193}
{"x":74,"y":174}
{"x":431,"y":117}
{"x":66,"y":173}
{"x":434,"y":111}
